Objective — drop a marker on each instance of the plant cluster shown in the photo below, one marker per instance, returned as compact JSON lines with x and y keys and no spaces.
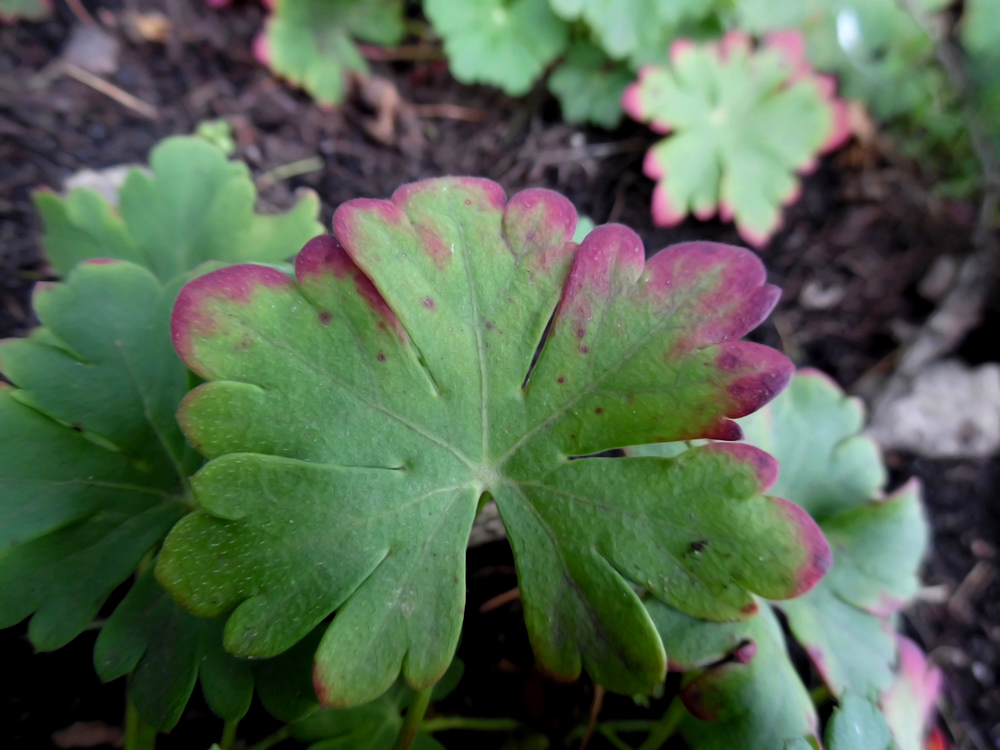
{"x":299,"y":528}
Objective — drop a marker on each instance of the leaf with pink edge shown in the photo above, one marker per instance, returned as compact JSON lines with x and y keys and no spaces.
{"x":357,"y":416}
{"x":751,"y":696}
{"x":836,"y":474}
{"x":742,"y":123}
{"x":311,"y":42}
{"x":910,"y":702}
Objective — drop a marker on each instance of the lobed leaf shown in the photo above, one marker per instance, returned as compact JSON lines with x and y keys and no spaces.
{"x":310,"y":42}
{"x":195,"y":206}
{"x":166,"y":650}
{"x":357,"y":415}
{"x":92,"y":461}
{"x":836,"y":474}
{"x":742,"y":123}
{"x":589,"y":86}
{"x":752,"y":698}
{"x":505,"y":43}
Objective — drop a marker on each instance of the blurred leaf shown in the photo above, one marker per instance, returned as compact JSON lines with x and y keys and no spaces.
{"x":857,"y":724}
{"x":590,"y":86}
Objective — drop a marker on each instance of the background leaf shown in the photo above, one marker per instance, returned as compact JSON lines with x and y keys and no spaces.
{"x":310,"y":43}
{"x":589,"y":86}
{"x":382,"y":393}
{"x":506,"y":44}
{"x":857,"y":724}
{"x":195,"y":206}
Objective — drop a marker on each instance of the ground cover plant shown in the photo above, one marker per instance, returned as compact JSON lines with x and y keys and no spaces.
{"x":357,"y":411}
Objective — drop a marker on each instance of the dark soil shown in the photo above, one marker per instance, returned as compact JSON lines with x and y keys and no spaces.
{"x":849,"y":260}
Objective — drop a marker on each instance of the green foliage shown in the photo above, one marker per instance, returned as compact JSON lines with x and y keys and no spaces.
{"x":858,"y":725}
{"x":93,"y":464}
{"x":356,"y":417}
{"x":742,"y":123}
{"x":193,"y":207}
{"x":844,"y":622}
{"x":590,"y":86}
{"x":506,"y":43}
{"x":310,"y":42}
{"x":24,"y":10}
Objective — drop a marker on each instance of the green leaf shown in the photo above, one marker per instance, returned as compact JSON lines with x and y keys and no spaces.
{"x":584,"y":226}
{"x":505,"y":43}
{"x":92,"y":463}
{"x":26,"y":10}
{"x":166,"y":649}
{"x":879,"y":52}
{"x":627,"y":28}
{"x":857,"y":725}
{"x":371,"y":726}
{"x":589,"y":86}
{"x":742,"y":123}
{"x":980,"y":32}
{"x":356,"y":416}
{"x":752,"y":700}
{"x":909,"y":703}
{"x":310,"y":42}
{"x":194,"y":207}
{"x":836,"y":474}
{"x":285,"y":684}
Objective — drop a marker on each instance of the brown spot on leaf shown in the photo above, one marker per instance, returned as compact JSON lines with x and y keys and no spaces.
{"x":381,"y":357}
{"x":429,"y":303}
{"x":584,"y":349}
{"x":560,"y":379}
{"x":598,"y":410}
{"x":325,"y":316}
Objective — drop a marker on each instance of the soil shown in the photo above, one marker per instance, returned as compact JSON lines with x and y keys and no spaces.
{"x":854,"y":248}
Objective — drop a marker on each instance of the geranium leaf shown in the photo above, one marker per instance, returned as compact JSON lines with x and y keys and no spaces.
{"x":590,"y":86}
{"x":857,"y":724}
{"x":93,"y":464}
{"x":285,"y":684}
{"x":742,"y":123}
{"x":166,"y":649}
{"x":506,"y":43}
{"x":356,"y":416}
{"x":195,"y":206}
{"x":754,"y":700}
{"x":12,"y":11}
{"x":836,"y":474}
{"x":909,"y":703}
{"x":310,"y":42}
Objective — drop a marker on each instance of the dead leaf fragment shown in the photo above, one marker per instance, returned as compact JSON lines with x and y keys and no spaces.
{"x":87,"y":734}
{"x":92,"y":49}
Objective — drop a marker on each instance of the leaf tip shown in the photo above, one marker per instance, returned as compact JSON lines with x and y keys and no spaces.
{"x":818,"y":556}
{"x":764,"y":465}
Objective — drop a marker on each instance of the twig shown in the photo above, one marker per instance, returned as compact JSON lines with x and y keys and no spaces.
{"x":81,"y":13}
{"x":595,"y":712}
{"x":110,"y":90}
{"x":287,"y":171}
{"x":499,"y":600}
{"x":961,"y":309}
{"x":450,"y":112}
{"x":404,"y":52}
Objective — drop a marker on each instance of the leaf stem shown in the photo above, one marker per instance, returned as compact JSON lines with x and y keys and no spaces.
{"x":413,"y":719}
{"x":444,"y":723}
{"x":665,"y":727}
{"x":138,"y":734}
{"x":228,"y":734}
{"x":272,"y":739}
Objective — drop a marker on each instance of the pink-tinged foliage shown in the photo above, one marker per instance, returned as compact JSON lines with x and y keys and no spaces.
{"x":764,"y":465}
{"x":192,"y":315}
{"x":739,"y":84}
{"x":910,"y":704}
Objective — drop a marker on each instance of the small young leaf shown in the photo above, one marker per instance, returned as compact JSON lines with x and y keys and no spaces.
{"x":356,"y":417}
{"x":194,"y":207}
{"x":744,"y":122}
{"x":857,"y":725}
{"x":753,"y":700}
{"x":506,"y":43}
{"x":166,"y":649}
{"x":92,"y":462}
{"x":371,"y":726}
{"x":909,"y":703}
{"x":309,"y":42}
{"x":12,"y":11}
{"x":589,"y":86}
